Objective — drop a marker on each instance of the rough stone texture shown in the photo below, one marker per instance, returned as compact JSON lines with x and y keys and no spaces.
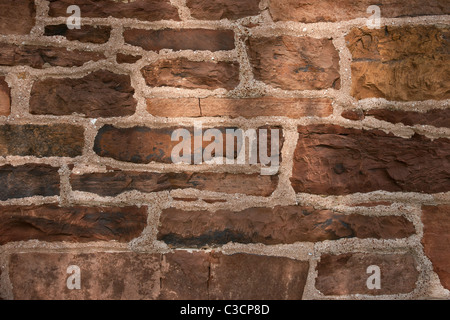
{"x":400,"y":63}
{"x":171,"y":108}
{"x":40,"y":57}
{"x":5,"y":98}
{"x":254,"y":277}
{"x":104,"y":276}
{"x":28,"y":181}
{"x":436,"y":240}
{"x":17,"y":16}
{"x":353,"y":114}
{"x":180,"y":39}
{"x":127,"y":58}
{"x":280,"y":225}
{"x":266,"y":107}
{"x":295,"y":63}
{"x":234,"y":108}
{"x":99,"y":94}
{"x":223,"y":9}
{"x":146,"y":145}
{"x":92,"y":34}
{"x":347,"y":273}
{"x":117,"y":182}
{"x":334,"y":160}
{"x":434,"y":117}
{"x":136,"y":144}
{"x":146,"y":10}
{"x":328,"y":10}
{"x":55,"y":140}
{"x":77,"y":224}
{"x":185,"y":276}
{"x":182,"y":73}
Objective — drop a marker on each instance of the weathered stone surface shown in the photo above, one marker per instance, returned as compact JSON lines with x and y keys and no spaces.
{"x":280,"y":225}
{"x":433,"y":117}
{"x":146,"y":10}
{"x":5,"y":98}
{"x":266,"y":107}
{"x":135,"y":144}
{"x":347,"y":273}
{"x":234,"y":108}
{"x":180,"y":39}
{"x":17,"y":16}
{"x":182,"y":73}
{"x":185,"y":276}
{"x":28,"y":181}
{"x":171,"y":108}
{"x":77,"y":224}
{"x":317,"y":11}
{"x":146,"y":145}
{"x":99,"y":94}
{"x":55,"y":140}
{"x":436,"y":240}
{"x":93,"y":34}
{"x":400,"y":63}
{"x":254,"y":277}
{"x":103,"y":276}
{"x":127,"y":58}
{"x":295,"y":63}
{"x":334,"y":160}
{"x":223,"y":9}
{"x":114,"y":183}
{"x":40,"y":57}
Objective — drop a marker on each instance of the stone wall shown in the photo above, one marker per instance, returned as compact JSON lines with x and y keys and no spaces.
{"x":86,"y":118}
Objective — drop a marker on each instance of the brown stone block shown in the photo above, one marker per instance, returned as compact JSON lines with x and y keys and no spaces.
{"x":295,"y":63}
{"x":348,"y":273}
{"x":75,"y":224}
{"x":40,"y":56}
